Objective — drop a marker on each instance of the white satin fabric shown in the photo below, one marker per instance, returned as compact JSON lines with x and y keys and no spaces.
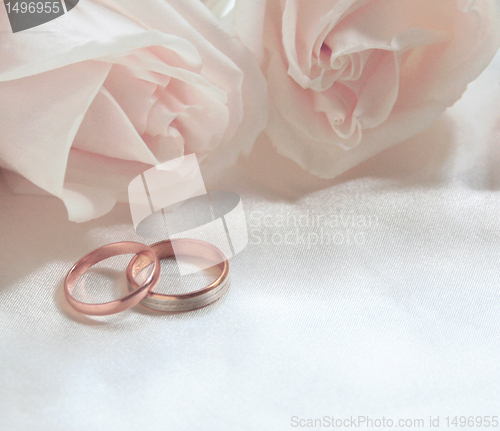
{"x":399,"y":318}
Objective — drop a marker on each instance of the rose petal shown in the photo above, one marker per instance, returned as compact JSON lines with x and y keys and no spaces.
{"x":110,"y":174}
{"x":328,"y":161}
{"x":135,"y":96}
{"x":106,"y":130}
{"x":304,"y":26}
{"x":248,"y":22}
{"x":84,"y":203}
{"x":168,"y":146}
{"x":219,"y":52}
{"x":380,"y":92}
{"x":37,"y":145}
{"x":298,"y":106}
{"x":74,"y":37}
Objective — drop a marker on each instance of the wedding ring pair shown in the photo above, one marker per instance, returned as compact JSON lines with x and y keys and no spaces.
{"x":143,"y":292}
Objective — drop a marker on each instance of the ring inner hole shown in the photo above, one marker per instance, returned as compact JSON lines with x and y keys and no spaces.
{"x":172,"y":283}
{"x":106,"y":281}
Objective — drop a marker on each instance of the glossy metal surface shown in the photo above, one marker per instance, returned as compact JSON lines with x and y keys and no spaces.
{"x":186,"y":301}
{"x":148,"y":257}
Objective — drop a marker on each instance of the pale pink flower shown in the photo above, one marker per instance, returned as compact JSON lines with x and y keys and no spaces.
{"x":349,"y":78}
{"x":93,"y":98}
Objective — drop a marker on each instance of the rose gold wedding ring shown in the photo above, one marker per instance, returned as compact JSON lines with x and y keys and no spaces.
{"x":186,"y":301}
{"x":147,"y":257}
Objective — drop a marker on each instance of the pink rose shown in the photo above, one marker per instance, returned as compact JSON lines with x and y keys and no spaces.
{"x":349,"y":78}
{"x":91,"y":99}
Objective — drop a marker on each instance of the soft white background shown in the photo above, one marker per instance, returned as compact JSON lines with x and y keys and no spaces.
{"x":404,"y":326}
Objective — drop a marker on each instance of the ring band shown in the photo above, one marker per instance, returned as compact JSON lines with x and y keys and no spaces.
{"x":185,"y":301}
{"x":110,"y":250}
